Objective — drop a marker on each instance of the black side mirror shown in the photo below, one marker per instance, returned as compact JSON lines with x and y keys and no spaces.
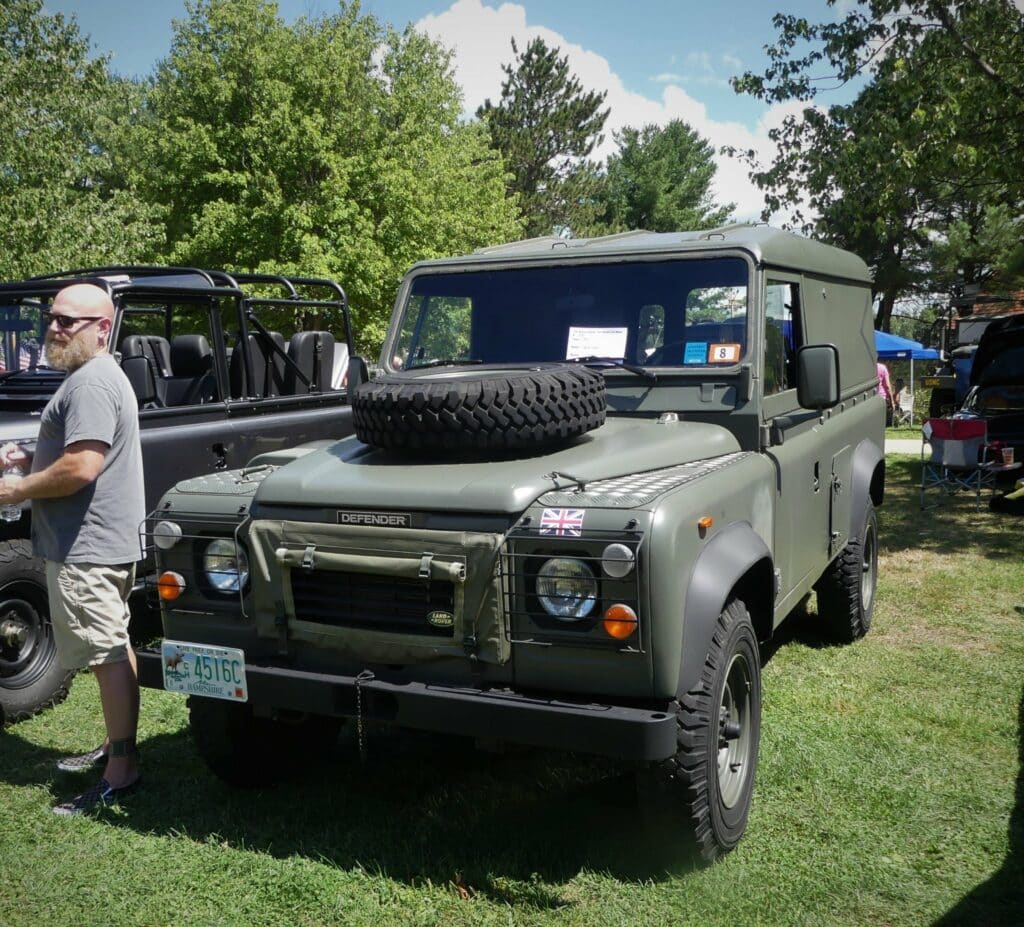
{"x":817,"y":385}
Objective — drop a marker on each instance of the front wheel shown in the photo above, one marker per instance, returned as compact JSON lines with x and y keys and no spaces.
{"x":705,"y":790}
{"x":247,"y":750}
{"x":846,"y":590}
{"x":31,"y":677}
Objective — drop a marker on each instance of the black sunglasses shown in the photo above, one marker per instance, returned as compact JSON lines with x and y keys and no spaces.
{"x":68,"y":321}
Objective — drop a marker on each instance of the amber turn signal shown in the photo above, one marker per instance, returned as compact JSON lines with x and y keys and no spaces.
{"x":170,"y":585}
{"x":706,"y":522}
{"x":620,"y":622}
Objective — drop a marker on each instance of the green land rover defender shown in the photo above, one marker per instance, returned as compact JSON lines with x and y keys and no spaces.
{"x":588,"y":482}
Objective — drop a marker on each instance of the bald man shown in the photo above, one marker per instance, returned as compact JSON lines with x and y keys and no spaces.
{"x":87,"y":505}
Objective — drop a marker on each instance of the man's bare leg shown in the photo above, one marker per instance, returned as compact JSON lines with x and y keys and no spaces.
{"x":119,"y":696}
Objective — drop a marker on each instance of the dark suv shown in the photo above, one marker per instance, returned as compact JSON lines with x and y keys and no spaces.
{"x":217,"y":383}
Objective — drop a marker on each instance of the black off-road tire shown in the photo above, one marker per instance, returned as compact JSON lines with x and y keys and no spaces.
{"x":846,"y":590}
{"x":249,"y":751}
{"x":496,"y":409}
{"x":31,"y":677}
{"x":702,"y":794}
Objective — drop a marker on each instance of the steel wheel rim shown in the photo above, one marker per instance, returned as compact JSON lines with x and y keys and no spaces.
{"x":734,"y":731}
{"x":23,"y":662}
{"x":868,"y":562}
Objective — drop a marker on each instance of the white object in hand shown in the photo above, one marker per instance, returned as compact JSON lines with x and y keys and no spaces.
{"x":12,"y":511}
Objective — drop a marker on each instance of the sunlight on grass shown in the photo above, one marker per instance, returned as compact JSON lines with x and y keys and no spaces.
{"x":889,"y":776}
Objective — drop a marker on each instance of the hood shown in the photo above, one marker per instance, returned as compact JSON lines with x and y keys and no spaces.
{"x":352,"y":475}
{"x":19,"y":426}
{"x":1000,"y":354}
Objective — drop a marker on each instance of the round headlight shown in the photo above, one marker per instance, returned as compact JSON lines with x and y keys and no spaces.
{"x":617,"y":561}
{"x":566,"y":588}
{"x":166,"y":534}
{"x":226,"y":566}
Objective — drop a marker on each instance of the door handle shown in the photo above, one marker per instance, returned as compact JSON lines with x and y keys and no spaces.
{"x":220,"y":458}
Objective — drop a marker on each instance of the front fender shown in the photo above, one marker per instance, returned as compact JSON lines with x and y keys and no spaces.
{"x":735,"y":556}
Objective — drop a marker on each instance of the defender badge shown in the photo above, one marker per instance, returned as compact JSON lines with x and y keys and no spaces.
{"x":440,"y":619}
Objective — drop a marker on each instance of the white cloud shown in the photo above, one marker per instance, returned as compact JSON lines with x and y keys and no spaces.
{"x":666,"y":77}
{"x":480,"y":37}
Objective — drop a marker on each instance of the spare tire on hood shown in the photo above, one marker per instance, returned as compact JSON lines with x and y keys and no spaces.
{"x":479,"y":409}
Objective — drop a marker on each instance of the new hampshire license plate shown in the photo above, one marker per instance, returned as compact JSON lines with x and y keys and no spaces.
{"x":197,"y":669}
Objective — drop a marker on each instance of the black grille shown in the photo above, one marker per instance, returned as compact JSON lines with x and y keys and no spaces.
{"x":366,"y":600}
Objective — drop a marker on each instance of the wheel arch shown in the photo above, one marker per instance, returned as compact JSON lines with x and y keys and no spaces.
{"x":867,"y":478}
{"x":735,"y":563}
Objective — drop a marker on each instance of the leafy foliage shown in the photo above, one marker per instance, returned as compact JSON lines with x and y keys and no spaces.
{"x":926,"y":151}
{"x":66,"y":202}
{"x":660,"y":180}
{"x":545,"y":126}
{"x":332,"y":147}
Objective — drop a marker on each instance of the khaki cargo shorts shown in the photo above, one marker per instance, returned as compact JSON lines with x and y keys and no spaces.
{"x":89,"y":611}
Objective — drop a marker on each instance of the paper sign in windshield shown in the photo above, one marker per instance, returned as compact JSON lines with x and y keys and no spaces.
{"x":696,"y":352}
{"x":596,"y":342}
{"x":724,"y":354}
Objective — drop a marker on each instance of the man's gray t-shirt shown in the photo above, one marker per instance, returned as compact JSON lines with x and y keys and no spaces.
{"x":100,"y":522}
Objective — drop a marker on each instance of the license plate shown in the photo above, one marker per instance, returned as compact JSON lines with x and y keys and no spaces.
{"x":197,"y":669}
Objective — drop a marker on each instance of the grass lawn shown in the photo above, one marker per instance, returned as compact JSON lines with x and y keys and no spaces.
{"x":890,"y":792}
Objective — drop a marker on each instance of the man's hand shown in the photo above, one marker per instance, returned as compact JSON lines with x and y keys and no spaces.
{"x":13,"y":455}
{"x":11,"y":492}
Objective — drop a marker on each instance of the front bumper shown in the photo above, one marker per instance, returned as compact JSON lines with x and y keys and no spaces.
{"x":621,"y":732}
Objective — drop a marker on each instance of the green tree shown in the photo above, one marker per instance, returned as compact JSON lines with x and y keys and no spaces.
{"x":929,"y":146}
{"x":545,"y":127}
{"x":330,"y":147}
{"x":66,"y":201}
{"x":660,"y":180}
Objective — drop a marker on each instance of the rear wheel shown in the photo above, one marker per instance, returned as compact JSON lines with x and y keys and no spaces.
{"x":246,"y":750}
{"x":704,"y":791}
{"x":846,"y":590}
{"x":31,"y":677}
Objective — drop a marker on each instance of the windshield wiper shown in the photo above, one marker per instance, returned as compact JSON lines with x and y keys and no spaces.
{"x":591,"y":361}
{"x":444,"y":362}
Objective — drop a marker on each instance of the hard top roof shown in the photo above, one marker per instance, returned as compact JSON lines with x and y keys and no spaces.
{"x":766,"y":245}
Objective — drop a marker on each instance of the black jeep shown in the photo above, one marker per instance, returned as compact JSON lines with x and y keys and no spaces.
{"x":217,"y":383}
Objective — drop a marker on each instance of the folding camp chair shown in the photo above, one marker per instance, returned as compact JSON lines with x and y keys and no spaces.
{"x":904,"y":412}
{"x":955,"y":461}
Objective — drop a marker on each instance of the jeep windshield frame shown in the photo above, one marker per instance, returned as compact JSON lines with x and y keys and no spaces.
{"x":690,"y":315}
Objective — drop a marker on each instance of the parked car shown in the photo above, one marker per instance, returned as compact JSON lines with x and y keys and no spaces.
{"x":216,"y":384}
{"x":592,"y":478}
{"x":997,"y":383}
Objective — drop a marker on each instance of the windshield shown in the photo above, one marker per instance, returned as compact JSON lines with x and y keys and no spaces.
{"x":681,"y":313}
{"x":21,"y":336}
{"x":997,"y":400}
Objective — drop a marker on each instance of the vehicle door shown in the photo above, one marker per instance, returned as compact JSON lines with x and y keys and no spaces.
{"x":794,"y":442}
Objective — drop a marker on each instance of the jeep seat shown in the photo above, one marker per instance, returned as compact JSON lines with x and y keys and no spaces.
{"x":192,"y":380}
{"x":267,"y":368}
{"x":313,"y":354}
{"x":139,"y":369}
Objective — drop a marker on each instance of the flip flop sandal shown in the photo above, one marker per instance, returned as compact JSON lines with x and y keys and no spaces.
{"x":83,"y":762}
{"x":102,"y":795}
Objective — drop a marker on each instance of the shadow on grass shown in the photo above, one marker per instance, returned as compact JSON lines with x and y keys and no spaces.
{"x":999,"y":902}
{"x":421,"y":808}
{"x":951,"y":527}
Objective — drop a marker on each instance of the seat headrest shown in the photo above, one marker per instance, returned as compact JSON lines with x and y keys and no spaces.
{"x":132,"y":346}
{"x":190,"y":355}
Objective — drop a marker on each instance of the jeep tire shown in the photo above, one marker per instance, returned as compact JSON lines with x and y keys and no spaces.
{"x":505,"y":408}
{"x":846,"y":590}
{"x":31,"y":677}
{"x":705,"y":789}
{"x":248,"y":751}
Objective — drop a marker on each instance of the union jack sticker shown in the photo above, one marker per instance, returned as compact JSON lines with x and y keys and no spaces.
{"x":564,"y":522}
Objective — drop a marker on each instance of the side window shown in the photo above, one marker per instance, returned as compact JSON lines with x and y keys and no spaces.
{"x":782,"y":336}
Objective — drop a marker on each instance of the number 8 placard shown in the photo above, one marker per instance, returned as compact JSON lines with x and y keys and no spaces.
{"x":724,"y":354}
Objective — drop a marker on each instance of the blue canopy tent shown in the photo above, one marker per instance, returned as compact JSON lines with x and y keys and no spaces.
{"x":893,"y":347}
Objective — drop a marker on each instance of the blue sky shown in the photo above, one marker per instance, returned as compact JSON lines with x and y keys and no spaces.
{"x":657,"y":59}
